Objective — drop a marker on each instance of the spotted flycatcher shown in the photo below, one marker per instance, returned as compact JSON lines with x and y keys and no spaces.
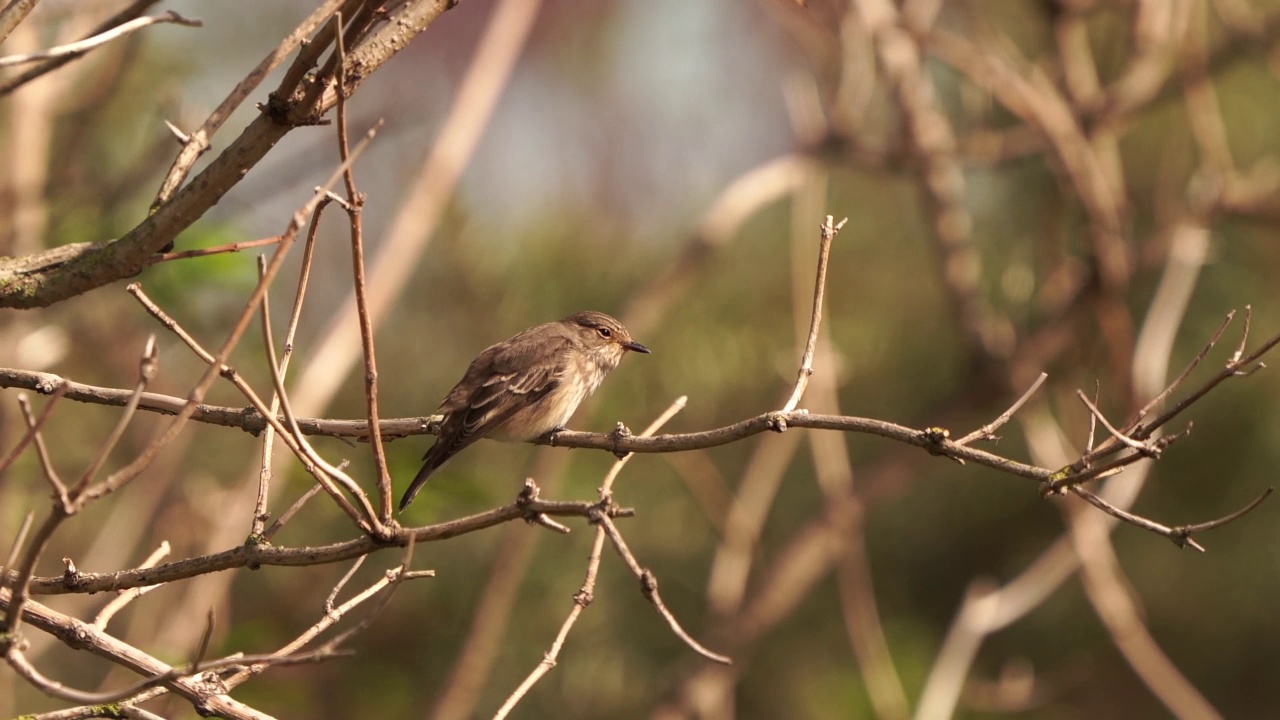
{"x":526,"y":386}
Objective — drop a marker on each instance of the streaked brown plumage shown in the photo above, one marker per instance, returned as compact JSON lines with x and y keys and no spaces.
{"x":526,"y":386}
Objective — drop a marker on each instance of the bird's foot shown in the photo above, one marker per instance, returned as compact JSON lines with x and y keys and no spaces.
{"x":551,"y":435}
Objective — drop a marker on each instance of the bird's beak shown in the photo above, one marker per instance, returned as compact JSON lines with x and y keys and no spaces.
{"x":633,"y":345}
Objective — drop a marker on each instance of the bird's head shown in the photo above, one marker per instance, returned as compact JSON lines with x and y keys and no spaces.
{"x":603,"y":336}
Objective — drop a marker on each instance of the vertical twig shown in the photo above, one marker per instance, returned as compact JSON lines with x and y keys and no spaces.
{"x":42,"y":451}
{"x":260,"y":514}
{"x":586,"y":593}
{"x":829,"y":231}
{"x":146,"y":371}
{"x":354,"y":207}
{"x":34,"y":428}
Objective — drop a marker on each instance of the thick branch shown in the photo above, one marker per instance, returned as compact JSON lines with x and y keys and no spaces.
{"x":45,"y":278}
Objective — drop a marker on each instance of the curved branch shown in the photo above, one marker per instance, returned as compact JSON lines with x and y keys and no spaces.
{"x":250,"y":555}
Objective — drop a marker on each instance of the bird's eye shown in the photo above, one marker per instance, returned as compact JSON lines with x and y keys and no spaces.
{"x":605,"y":332}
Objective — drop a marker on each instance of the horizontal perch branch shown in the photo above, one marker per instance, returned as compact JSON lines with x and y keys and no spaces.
{"x":254,"y":555}
{"x":250,"y":421}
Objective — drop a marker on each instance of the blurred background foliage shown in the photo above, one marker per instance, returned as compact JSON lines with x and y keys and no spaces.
{"x":621,"y":125}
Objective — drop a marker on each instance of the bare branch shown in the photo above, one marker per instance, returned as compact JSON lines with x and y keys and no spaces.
{"x":649,"y":586}
{"x":337,"y":588}
{"x":1186,"y":372}
{"x":42,"y":451}
{"x":829,"y":231}
{"x":987,"y":432}
{"x":18,"y":542}
{"x":1180,"y":540}
{"x":253,"y":555}
{"x":260,"y":514}
{"x":131,"y":11}
{"x":586,"y":593}
{"x":293,"y":510}
{"x":65,"y":271}
{"x":75,"y":49}
{"x":581,"y":600}
{"x":58,"y":390}
{"x":147,"y":366}
{"x":197,"y":143}
{"x":1185,"y":531}
{"x":120,"y":601}
{"x":218,"y":250}
{"x":1146,"y":448}
{"x":13,"y":14}
{"x":353,"y":206}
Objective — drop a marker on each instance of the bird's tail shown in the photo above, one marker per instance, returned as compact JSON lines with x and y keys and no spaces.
{"x":431,"y":462}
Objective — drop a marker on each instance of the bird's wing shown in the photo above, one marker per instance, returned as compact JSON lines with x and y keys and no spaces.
{"x":500,"y":382}
{"x":505,"y":394}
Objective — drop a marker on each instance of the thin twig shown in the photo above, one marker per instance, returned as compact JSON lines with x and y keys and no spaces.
{"x":987,"y":432}
{"x":217,"y":250}
{"x":1146,"y":448}
{"x":829,"y":231}
{"x":581,"y":600}
{"x":369,"y":521}
{"x":178,"y":135}
{"x":18,"y":541}
{"x":198,"y":142}
{"x":676,"y":406}
{"x":21,"y":581}
{"x":649,"y":587}
{"x":166,"y":436}
{"x":391,"y":579}
{"x":354,"y":207}
{"x":34,"y":428}
{"x":206,"y":635}
{"x":42,"y":450}
{"x":118,"y":603}
{"x":1232,"y":369}
{"x":1186,"y":372}
{"x":337,"y":588}
{"x":1136,"y":520}
{"x":81,"y":47}
{"x":1244,"y":335}
{"x":1185,"y":531}
{"x":260,"y":514}
{"x":321,"y":470}
{"x":586,"y":593}
{"x":1093,"y":419}
{"x":147,"y":367}
{"x":288,"y":514}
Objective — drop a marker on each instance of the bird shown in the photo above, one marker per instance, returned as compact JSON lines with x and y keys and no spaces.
{"x":526,"y":386}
